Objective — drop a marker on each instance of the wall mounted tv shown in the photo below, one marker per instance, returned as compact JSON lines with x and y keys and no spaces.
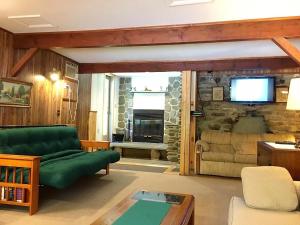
{"x":252,"y":90}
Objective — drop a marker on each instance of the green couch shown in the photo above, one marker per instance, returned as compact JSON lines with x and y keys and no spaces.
{"x":62,"y":159}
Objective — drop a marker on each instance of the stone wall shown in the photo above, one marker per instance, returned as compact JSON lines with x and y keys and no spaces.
{"x":171,"y":116}
{"x":125,"y":106}
{"x":223,"y":115}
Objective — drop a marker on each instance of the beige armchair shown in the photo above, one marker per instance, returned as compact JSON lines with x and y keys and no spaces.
{"x":272,"y":202}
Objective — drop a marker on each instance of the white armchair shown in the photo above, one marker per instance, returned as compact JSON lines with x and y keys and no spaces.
{"x":241,"y":214}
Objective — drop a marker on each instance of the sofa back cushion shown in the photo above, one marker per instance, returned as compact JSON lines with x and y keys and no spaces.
{"x":38,"y":140}
{"x":245,"y":144}
{"x":278,"y":137}
{"x":269,"y":188}
{"x":218,"y":141}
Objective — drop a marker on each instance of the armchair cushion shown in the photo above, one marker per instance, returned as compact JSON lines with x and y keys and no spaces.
{"x":217,"y":156}
{"x":220,"y":148}
{"x":269,"y":188}
{"x":245,"y":143}
{"x":243,"y":158}
{"x":240,"y":214}
{"x":216,"y":137}
{"x":297,"y":184}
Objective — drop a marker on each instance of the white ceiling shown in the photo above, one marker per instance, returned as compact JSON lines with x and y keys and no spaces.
{"x":189,"y":52}
{"x":68,"y":15}
{"x":98,"y":14}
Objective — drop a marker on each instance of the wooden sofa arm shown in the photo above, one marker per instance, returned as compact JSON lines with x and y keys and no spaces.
{"x":14,"y":190}
{"x":94,"y":145}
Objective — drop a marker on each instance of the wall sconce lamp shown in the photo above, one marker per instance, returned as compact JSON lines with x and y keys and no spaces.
{"x":293,"y":102}
{"x":39,"y":77}
{"x":54,"y":75}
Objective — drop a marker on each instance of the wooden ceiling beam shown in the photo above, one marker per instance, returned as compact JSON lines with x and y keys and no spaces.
{"x":211,"y":65}
{"x":288,"y":48}
{"x":255,"y":29}
{"x":22,"y":61}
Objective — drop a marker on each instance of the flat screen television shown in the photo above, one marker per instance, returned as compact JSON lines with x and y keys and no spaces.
{"x":252,"y":90}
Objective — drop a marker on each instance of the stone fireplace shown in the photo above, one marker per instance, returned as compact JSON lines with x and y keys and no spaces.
{"x":148,"y":125}
{"x":170,"y":108}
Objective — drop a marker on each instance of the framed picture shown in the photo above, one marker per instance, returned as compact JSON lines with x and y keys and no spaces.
{"x":282,"y":94}
{"x":218,"y":94}
{"x":15,"y":93}
{"x":71,"y":70}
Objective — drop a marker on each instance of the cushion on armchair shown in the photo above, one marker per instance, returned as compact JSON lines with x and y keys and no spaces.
{"x":217,"y":141}
{"x":269,"y":188}
{"x":216,"y":137}
{"x":245,"y":143}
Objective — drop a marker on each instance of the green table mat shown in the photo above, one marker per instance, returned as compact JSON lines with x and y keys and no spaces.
{"x":144,"y":213}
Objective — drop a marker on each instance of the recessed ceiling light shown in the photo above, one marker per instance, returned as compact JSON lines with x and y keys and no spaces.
{"x":46,"y":25}
{"x":31,"y":21}
{"x":23,"y":16}
{"x":188,"y":2}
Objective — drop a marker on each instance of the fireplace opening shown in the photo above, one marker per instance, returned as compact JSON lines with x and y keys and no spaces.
{"x":148,"y":125}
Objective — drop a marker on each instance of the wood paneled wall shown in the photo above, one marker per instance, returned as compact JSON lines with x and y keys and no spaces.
{"x":47,"y":105}
{"x":84,"y":106}
{"x":6,"y":52}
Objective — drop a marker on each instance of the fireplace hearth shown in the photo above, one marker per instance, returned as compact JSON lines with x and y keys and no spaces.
{"x":148,"y":125}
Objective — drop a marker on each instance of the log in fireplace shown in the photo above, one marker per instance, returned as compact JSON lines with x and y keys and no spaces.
{"x":148,"y":125}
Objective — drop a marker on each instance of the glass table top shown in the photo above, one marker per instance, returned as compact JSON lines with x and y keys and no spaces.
{"x":159,"y":197}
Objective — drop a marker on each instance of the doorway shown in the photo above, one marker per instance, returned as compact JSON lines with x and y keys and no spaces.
{"x":106,"y":118}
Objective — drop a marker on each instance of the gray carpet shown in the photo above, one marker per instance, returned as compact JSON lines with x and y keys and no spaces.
{"x":152,"y":169}
{"x":89,"y":198}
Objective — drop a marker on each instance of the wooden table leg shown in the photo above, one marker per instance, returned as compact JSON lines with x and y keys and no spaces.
{"x":107,"y":169}
{"x":192,"y":218}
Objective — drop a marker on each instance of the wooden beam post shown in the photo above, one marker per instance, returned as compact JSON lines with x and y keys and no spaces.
{"x":22,"y":61}
{"x":193,"y":123}
{"x":288,"y":48}
{"x":185,"y":123}
{"x":255,"y":29}
{"x":271,"y":63}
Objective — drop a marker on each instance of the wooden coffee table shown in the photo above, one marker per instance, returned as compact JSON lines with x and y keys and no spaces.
{"x":180,"y":213}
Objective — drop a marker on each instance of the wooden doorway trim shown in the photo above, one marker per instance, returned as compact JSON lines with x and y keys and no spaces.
{"x":185,"y":123}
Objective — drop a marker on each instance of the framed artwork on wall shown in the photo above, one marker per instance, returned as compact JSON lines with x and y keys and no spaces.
{"x":282,"y":94}
{"x":218,"y":94}
{"x":15,"y":93}
{"x":71,"y":70}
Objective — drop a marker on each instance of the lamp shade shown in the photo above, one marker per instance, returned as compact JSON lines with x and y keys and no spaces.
{"x":293,"y":102}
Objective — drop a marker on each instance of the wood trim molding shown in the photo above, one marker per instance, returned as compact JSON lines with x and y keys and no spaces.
{"x":288,"y":48}
{"x":185,"y":123}
{"x":22,"y":61}
{"x":272,"y":63}
{"x":255,"y":29}
{"x":1,"y":28}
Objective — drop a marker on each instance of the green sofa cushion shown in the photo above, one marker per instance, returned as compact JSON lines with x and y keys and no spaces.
{"x":62,"y":160}
{"x":60,"y":170}
{"x":38,"y":141}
